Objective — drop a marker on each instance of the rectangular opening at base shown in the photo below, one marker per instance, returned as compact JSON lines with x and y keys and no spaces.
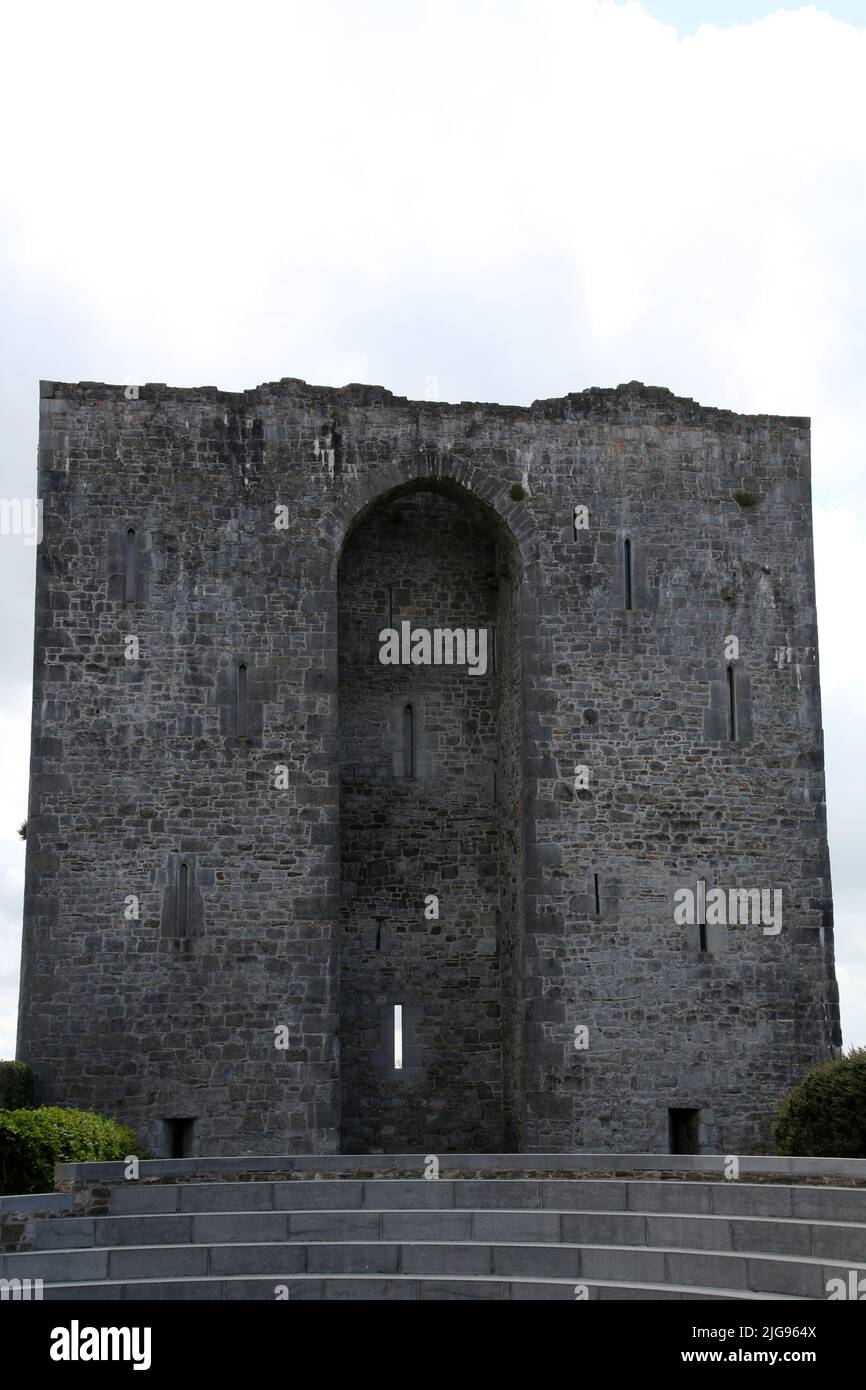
{"x":179,"y":1134}
{"x":683,"y":1131}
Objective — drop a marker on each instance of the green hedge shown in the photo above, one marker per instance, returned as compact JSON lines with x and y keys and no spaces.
{"x":825,"y":1116}
{"x":17,"y":1086}
{"x":32,"y":1141}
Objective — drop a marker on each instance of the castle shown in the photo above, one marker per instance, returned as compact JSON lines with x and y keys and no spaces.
{"x":288,"y":893}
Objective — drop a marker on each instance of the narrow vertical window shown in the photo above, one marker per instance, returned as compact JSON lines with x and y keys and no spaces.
{"x":597,"y":898}
{"x":242,"y":700}
{"x":626,"y":571}
{"x":732,"y":704}
{"x":398,"y":1037}
{"x":409,"y":742}
{"x":181,"y":916}
{"x":702,"y":914}
{"x":129,"y":575}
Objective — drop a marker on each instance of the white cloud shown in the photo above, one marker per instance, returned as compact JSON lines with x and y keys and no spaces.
{"x":522,"y":197}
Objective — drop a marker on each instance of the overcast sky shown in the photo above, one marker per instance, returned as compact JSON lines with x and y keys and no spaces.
{"x":519,"y":198}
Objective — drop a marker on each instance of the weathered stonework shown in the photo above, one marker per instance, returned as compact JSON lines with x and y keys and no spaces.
{"x":247,"y":778}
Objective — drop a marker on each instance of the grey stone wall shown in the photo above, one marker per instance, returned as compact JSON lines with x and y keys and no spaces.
{"x":142,"y":771}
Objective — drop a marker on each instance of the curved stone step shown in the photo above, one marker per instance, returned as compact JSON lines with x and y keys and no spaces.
{"x":401,"y":1287}
{"x":667,"y":1197}
{"x":805,"y":1277}
{"x":774,"y":1236}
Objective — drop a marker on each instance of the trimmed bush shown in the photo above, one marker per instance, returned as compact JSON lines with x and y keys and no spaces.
{"x":825,"y":1116}
{"x":32,"y":1141}
{"x":17,"y":1086}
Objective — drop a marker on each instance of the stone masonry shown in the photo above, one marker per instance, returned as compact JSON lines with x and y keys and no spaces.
{"x":249,"y":840}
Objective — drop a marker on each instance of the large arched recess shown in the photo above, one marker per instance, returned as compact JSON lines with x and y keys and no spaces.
{"x":431,"y":807}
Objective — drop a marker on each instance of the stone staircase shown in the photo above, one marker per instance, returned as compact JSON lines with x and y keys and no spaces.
{"x":526,"y":1227}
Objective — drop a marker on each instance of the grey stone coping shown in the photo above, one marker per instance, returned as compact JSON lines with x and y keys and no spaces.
{"x":616,"y":1165}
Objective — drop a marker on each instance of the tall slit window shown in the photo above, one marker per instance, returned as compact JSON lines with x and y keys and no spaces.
{"x":129,"y":567}
{"x":182,"y":909}
{"x":398,"y":1037}
{"x":702,"y":915}
{"x":242,"y":700}
{"x":626,"y":572}
{"x":408,"y":741}
{"x":732,"y":704}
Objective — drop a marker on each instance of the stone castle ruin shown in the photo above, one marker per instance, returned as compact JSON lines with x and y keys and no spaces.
{"x":313,"y":866}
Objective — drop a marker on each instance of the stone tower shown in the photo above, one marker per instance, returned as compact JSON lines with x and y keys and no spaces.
{"x":284,"y":894}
